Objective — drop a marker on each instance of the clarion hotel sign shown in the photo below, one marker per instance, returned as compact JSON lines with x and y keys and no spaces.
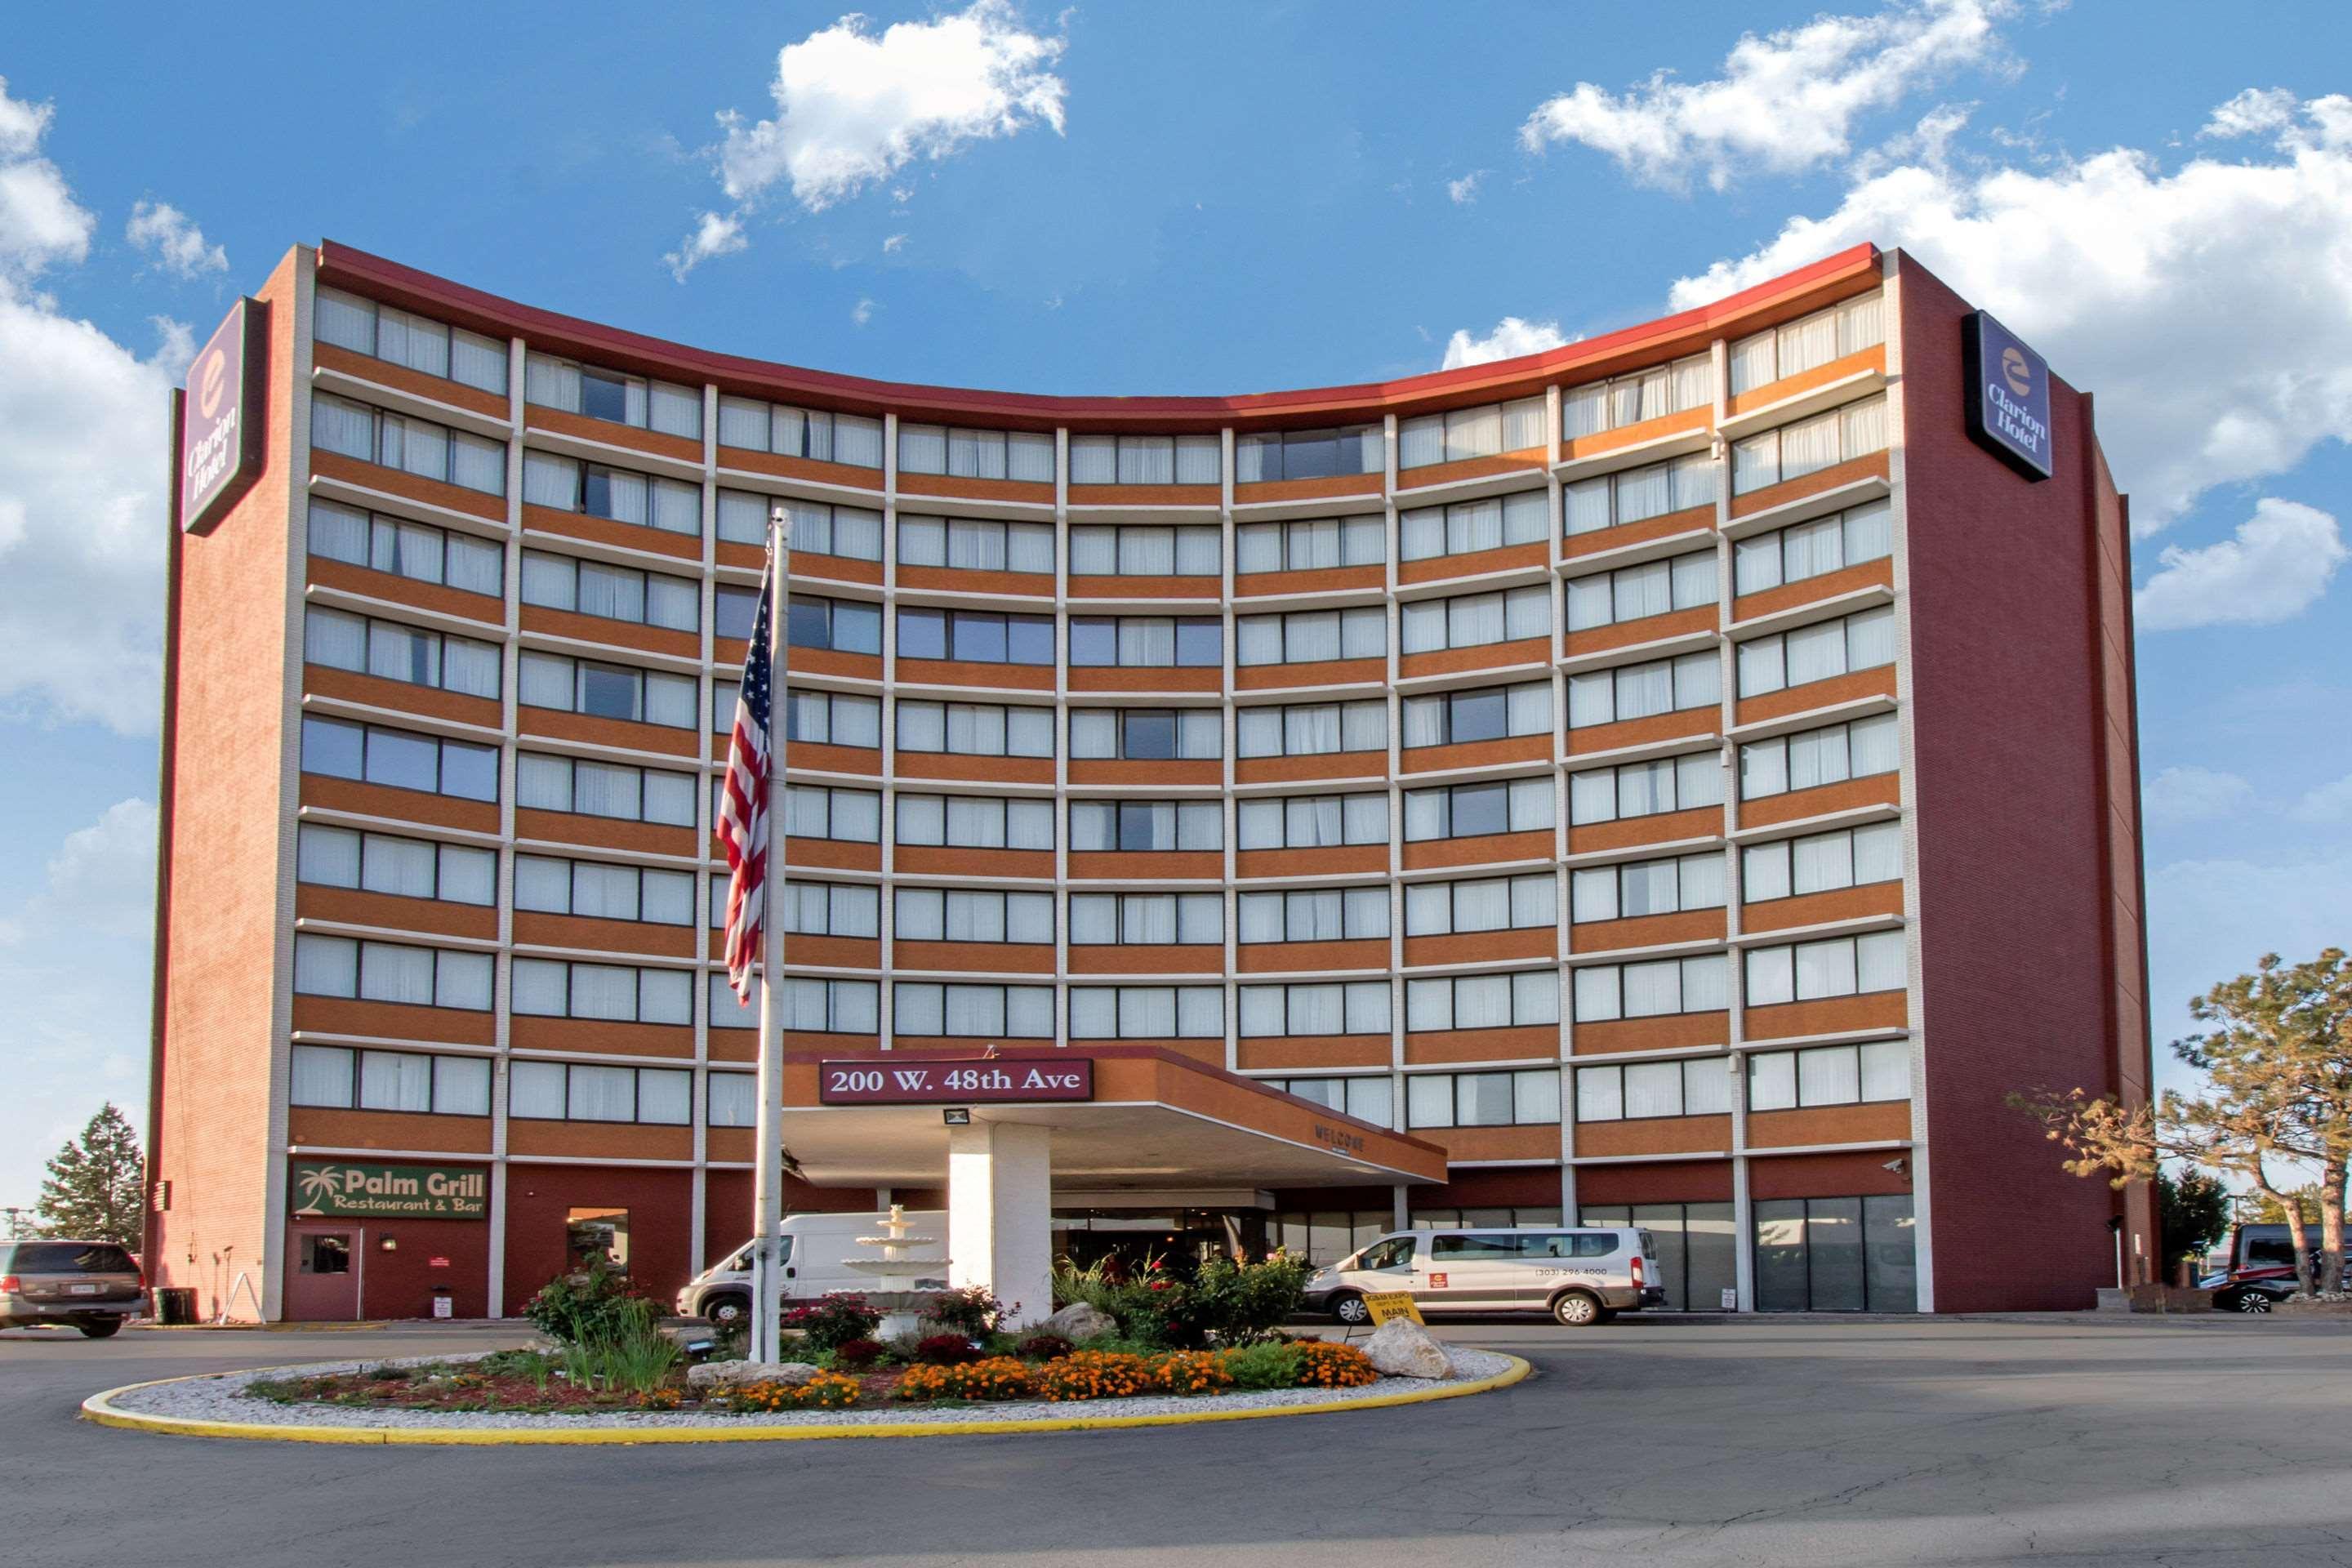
{"x":339,"y":1189}
{"x":2007,"y":397}
{"x":219,"y":416}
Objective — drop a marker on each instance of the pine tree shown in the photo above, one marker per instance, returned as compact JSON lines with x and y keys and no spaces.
{"x":96,"y":1188}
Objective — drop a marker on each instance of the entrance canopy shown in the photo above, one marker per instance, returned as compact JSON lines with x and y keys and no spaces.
{"x":1118,"y":1118}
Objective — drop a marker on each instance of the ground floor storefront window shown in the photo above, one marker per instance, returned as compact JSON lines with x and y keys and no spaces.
{"x":1836,"y":1255}
{"x":1698,"y":1247}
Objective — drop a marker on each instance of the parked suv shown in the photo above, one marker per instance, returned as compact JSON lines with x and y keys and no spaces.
{"x":92,"y":1285}
{"x":1580,"y":1277}
{"x":2261,"y":1269}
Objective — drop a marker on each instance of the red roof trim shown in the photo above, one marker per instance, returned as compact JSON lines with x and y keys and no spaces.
{"x":342,"y":266}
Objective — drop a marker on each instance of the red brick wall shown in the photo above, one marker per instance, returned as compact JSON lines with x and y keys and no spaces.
{"x":661,"y":1207}
{"x":2018,"y":871}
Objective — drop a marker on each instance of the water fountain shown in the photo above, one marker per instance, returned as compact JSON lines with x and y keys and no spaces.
{"x":897,"y":1305}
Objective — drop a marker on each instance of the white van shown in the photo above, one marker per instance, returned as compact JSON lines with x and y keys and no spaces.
{"x":814,"y":1247}
{"x":1582,"y":1277}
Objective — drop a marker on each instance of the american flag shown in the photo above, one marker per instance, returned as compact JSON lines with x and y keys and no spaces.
{"x":743,"y":804}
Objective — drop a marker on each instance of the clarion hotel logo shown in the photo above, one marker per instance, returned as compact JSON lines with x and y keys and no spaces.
{"x":219,"y":423}
{"x":2007,"y":397}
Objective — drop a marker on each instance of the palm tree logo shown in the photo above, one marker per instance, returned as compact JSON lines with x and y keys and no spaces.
{"x":320,"y":1181}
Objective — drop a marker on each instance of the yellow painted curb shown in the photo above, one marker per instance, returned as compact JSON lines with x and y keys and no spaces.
{"x":102,"y":1409}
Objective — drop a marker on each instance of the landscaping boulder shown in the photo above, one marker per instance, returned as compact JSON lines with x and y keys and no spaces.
{"x":1079,"y":1322}
{"x":1403,"y":1348}
{"x":713,"y":1376}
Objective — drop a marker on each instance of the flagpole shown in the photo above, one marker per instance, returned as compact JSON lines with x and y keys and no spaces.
{"x":768,"y":1173}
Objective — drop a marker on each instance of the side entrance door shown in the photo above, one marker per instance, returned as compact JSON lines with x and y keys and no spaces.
{"x":323,"y":1285}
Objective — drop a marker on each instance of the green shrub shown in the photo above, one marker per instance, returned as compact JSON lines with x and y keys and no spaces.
{"x":1273,"y":1365}
{"x":593,"y":1308}
{"x":831,"y":1322}
{"x":1222,"y":1301}
{"x":971,"y":1311}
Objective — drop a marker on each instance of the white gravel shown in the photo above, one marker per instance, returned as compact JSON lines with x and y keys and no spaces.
{"x":221,"y":1397}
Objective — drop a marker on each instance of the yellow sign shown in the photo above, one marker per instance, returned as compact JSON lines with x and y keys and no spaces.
{"x":1386,"y":1304}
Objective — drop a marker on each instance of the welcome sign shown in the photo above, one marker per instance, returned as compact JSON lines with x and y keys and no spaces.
{"x":220,"y":416}
{"x":2007,"y":397}
{"x":339,"y":1189}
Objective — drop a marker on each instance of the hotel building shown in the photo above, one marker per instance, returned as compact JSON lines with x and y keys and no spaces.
{"x":1683,"y":775}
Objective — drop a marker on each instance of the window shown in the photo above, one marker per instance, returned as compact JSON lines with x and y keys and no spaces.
{"x":416,"y":342}
{"x":1482,"y":713}
{"x":1364,"y":1097}
{"x":1194,"y":642}
{"x":1309,"y":454}
{"x":1313,"y":914}
{"x":845,"y":815}
{"x":1101,"y":550}
{"x":416,"y":550}
{"x":1530,"y":996}
{"x":805,"y":1005}
{"x":976,"y":544}
{"x":388,"y":972}
{"x":1521,"y":518}
{"x":1827,"y":1255}
{"x":1475,"y":620}
{"x":807,"y":432}
{"x":1476,"y":810}
{"x":732,"y":1100}
{"x":1642,"y":888}
{"x":1147,"y":734}
{"x":1311,"y":636}
{"x":820,"y":718}
{"x":1487,"y":431}
{"x":373,"y":754}
{"x":975,"y":729}
{"x":617,"y":495}
{"x":1643,"y":690}
{"x":345,"y":1079}
{"x":1493,"y":903}
{"x":575,"y":1091}
{"x":1831,"y":754}
{"x":1355,"y":1007}
{"x":1701,"y":985}
{"x":620,"y":992}
{"x":1808,"y":446}
{"x":1314,"y":544}
{"x":405,"y":868}
{"x":982,"y":915}
{"x":844,"y":625}
{"x":1813,"y":549}
{"x":1637,"y":592}
{"x":1311,"y":821}
{"x":1640,"y":1090}
{"x":1818,"y":652}
{"x":975,"y":822}
{"x":412,"y":445}
{"x":604,"y":789}
{"x":1026,"y":456}
{"x":1141,"y":827}
{"x":1482,"y":1098}
{"x":624,"y":399}
{"x":816,"y":909}
{"x":1840,"y":966}
{"x":1637,"y":495}
{"x":340,"y":640}
{"x":1147,"y":1012}
{"x":975,"y":636}
{"x":1014,"y":1012}
{"x":852,"y":533}
{"x":1646,"y":789}
{"x":1312,"y":729}
{"x":1809,"y":341}
{"x":599,"y":891}
{"x":1145,"y":460}
{"x":618,"y":594}
{"x":1819,"y":861}
{"x":1613,"y":405}
{"x":1829,"y":1075}
{"x":605,"y":691}
{"x":1104,"y":920}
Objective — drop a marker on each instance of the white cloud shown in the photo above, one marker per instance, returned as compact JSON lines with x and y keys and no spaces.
{"x":1465,"y":190}
{"x":2210,"y":919}
{"x":854,"y":107}
{"x":2209,"y":308}
{"x":714,"y":235}
{"x":101,"y":882}
{"x":2257,"y":111}
{"x":83,"y":432}
{"x":1785,"y":103}
{"x":2330,"y":802}
{"x":174,"y":238}
{"x":862,"y":313}
{"x":1511,"y":338}
{"x":895,"y":244}
{"x":2277,"y":565}
{"x":2179,"y":795}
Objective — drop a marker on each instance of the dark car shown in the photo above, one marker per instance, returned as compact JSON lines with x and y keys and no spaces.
{"x":93,"y":1285}
{"x":2261,"y":1269}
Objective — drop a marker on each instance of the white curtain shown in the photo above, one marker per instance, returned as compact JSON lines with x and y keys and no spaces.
{"x":1823,"y":861}
{"x":1584,"y":410}
{"x":1597,"y":994}
{"x":1752,"y":363}
{"x":1644,"y":690}
{"x":1652,"y":990}
{"x":1590,"y":602}
{"x":1707,"y":1088}
{"x":1424,"y":625}
{"x":1364,"y":912}
{"x":1824,"y":969}
{"x":1262,"y":1011}
{"x":1421,"y":441}
{"x":1880,"y":963}
{"x":601,"y":1094}
{"x":1875,"y":746}
{"x":1693,"y":580}
{"x":1482,"y":906}
{"x":1771,"y":976}
{"x":1644,"y":493}
{"x":1698,"y":680}
{"x":1887,"y":1070}
{"x":1593,"y":796}
{"x":389,"y":973}
{"x":1428,"y":1004}
{"x":323,"y":1076}
{"x":1654,"y":1088}
{"x":1367,"y":1008}
{"x":1534,"y":996}
{"x":1147,"y":460}
{"x":1809,"y":342}
{"x":1808,"y":445}
{"x":1816,"y":652}
{"x":1830,"y":1077}
{"x":1764,"y":872}
{"x":1592,"y":893}
{"x":1862,"y":428}
{"x":1600,"y":1094}
{"x":1473,"y":619}
{"x":1772,"y":1081}
{"x":535,"y":1090}
{"x":1260,"y":917}
{"x":395,"y":1080}
{"x":404,"y":866}
{"x":335,"y":638}
{"x":1588,"y":505}
{"x":1869,"y":639}
{"x":1526,"y":613}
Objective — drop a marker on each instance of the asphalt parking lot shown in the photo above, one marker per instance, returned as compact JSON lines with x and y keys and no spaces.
{"x":2195,"y":1441}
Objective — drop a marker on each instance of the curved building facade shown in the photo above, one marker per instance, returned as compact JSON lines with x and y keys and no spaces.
{"x":1683,"y":775}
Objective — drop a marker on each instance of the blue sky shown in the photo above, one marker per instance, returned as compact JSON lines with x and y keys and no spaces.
{"x":1103,"y":199}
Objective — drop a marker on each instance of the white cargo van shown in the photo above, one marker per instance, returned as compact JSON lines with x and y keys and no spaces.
{"x":1582,"y":1277}
{"x":814,"y":1247}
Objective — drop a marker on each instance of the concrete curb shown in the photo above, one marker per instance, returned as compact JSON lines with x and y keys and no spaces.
{"x":100,"y":1408}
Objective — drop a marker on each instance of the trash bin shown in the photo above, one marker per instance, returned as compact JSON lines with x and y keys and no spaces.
{"x":444,"y":1305}
{"x":175,"y":1304}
